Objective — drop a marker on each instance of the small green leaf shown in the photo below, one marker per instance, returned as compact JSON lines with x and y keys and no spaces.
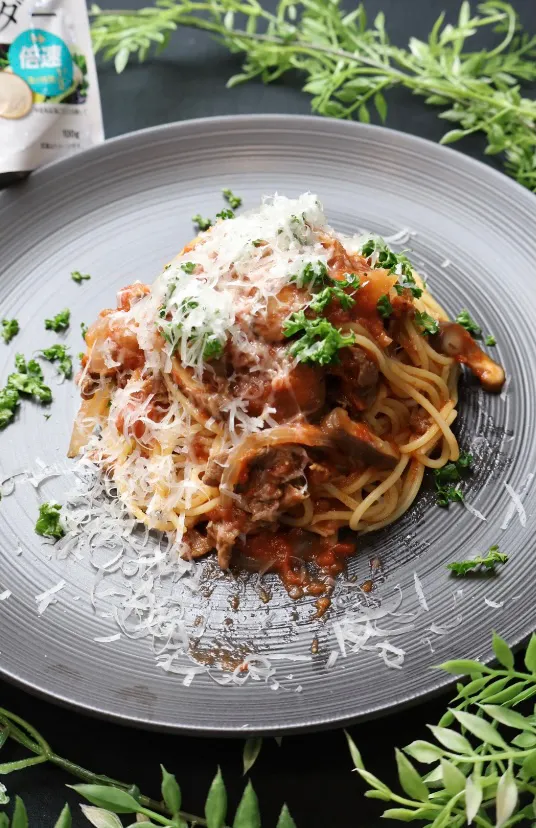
{"x":524,"y":740}
{"x":410,"y":779}
{"x":506,"y":799}
{"x":64,"y":820}
{"x":508,"y":717}
{"x":473,"y":798}
{"x":451,"y":739}
{"x":171,"y":793}
{"x":462,"y":667}
{"x":4,"y":820}
{"x":453,"y":778}
{"x":247,"y":814}
{"x":285,"y":819}
{"x":252,"y":748}
{"x":121,"y":59}
{"x":446,"y":719}
{"x":425,"y":752}
{"x":374,"y":782}
{"x":453,"y":135}
{"x":354,"y":752}
{"x":529,"y":764}
{"x":381,"y":105}
{"x":480,"y":728}
{"x":216,"y":804}
{"x":20,"y":817}
{"x":363,"y":114}
{"x":103,"y":796}
{"x":400,"y":814}
{"x":503,"y":652}
{"x":530,"y":655}
{"x":101,"y":818}
{"x":385,"y":797}
{"x":493,"y":690}
{"x":473,"y":687}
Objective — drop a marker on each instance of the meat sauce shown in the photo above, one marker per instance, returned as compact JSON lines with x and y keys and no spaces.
{"x":286,"y":552}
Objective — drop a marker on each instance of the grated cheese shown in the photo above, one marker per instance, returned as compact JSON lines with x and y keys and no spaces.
{"x":48,"y":597}
{"x":517,"y":504}
{"x":5,"y":594}
{"x":420,"y":592}
{"x":107,"y":639}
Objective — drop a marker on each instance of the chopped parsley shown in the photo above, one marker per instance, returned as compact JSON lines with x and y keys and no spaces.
{"x":426,"y":322}
{"x":336,"y":291}
{"x":9,"y":399}
{"x":225,"y":214}
{"x":78,"y":277}
{"x":59,"y":353}
{"x":188,"y":267}
{"x":407,"y":282}
{"x":10,"y":328}
{"x":83,"y":329}
{"x":60,"y":322}
{"x":213,"y":348}
{"x":257,"y":242}
{"x":492,"y":557}
{"x":465,"y":320}
{"x":384,"y":306}
{"x":201,"y":223}
{"x":234,"y":200}
{"x":49,"y":523}
{"x":319,"y":342}
{"x":444,"y":478}
{"x":490,"y":340}
{"x":28,"y":379}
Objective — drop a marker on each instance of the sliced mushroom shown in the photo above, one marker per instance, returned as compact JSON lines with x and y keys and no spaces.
{"x":358,"y":441}
{"x":454,"y":341}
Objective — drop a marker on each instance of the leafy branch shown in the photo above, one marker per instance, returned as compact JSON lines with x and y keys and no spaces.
{"x":481,"y":768}
{"x":348,"y":65}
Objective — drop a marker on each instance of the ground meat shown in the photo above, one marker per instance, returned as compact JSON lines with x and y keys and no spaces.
{"x":419,"y":422}
{"x":357,"y":378}
{"x":299,"y":391}
{"x":275,"y":483}
{"x":197,"y":544}
{"x":224,"y":528}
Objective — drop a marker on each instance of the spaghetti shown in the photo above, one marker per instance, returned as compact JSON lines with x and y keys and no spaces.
{"x":278,"y":383}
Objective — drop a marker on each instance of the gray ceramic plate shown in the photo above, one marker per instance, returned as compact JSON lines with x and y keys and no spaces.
{"x":119,"y":212}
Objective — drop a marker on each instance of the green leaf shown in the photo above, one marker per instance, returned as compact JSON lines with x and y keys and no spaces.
{"x":248,"y":814}
{"x":410,"y":779}
{"x":473,"y":798}
{"x":385,"y":797}
{"x":503,"y":652}
{"x":216,"y":804}
{"x":103,"y":796}
{"x":381,"y":105}
{"x":480,"y":728}
{"x":506,"y":800}
{"x":473,"y":687}
{"x":524,"y":740}
{"x":425,"y":752}
{"x":529,"y":764}
{"x":4,"y":798}
{"x":375,"y":783}
{"x":354,"y":752}
{"x":4,"y":820}
{"x":101,"y":818}
{"x":507,"y":717}
{"x":285,"y":820}
{"x":363,"y":114}
{"x":453,"y":778}
{"x":453,"y":135}
{"x":121,"y":59}
{"x":400,"y":814}
{"x":462,"y":667}
{"x":20,"y":764}
{"x":530,"y":655}
{"x":451,"y":739}
{"x":171,"y":793}
{"x":64,"y":820}
{"x":252,"y":748}
{"x":20,"y":817}
{"x":446,"y":719}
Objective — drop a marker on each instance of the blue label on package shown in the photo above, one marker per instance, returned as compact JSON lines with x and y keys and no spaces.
{"x":43,"y":60}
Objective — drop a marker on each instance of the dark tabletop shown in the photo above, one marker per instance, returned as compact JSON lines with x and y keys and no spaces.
{"x":311,"y":772}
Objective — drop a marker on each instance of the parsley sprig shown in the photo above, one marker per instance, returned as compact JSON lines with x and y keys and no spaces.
{"x":201,"y":223}
{"x":465,"y":319}
{"x":49,"y":523}
{"x":428,"y":324}
{"x":59,"y":353}
{"x":10,"y":328}
{"x":451,"y":474}
{"x":234,"y":201}
{"x":60,"y":322}
{"x":348,"y":63}
{"x":487,"y":561}
{"x":28,"y":379}
{"x":319,"y":341}
{"x":78,"y":277}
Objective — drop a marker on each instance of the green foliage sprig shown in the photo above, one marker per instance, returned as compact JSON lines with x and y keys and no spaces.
{"x":480,"y":769}
{"x":349,"y":65}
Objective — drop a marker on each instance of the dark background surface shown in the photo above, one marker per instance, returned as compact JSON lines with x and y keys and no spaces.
{"x":311,"y":772}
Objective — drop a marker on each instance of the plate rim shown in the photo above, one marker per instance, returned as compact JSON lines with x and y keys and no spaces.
{"x":277,"y":121}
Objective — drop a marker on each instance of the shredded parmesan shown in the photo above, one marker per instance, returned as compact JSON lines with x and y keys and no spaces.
{"x":517,"y":504}
{"x":473,"y":511}
{"x":107,"y":639}
{"x":493,"y":604}
{"x":5,"y":594}
{"x":420,"y":592}
{"x":48,"y":597}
